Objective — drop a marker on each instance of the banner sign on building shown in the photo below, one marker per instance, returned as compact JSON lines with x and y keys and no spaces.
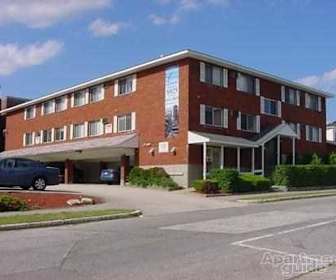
{"x":172,"y":101}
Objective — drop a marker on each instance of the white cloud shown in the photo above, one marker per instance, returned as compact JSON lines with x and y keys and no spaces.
{"x":102,"y":28}
{"x":14,"y":57}
{"x":326,"y":81}
{"x":43,"y":13}
{"x":182,"y":7}
{"x":161,"y":20}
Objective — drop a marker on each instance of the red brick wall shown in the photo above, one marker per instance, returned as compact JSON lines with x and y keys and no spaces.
{"x":147,"y":102}
{"x":230,"y":98}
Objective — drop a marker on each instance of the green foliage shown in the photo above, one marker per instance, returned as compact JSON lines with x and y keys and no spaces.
{"x":332,"y":158}
{"x":227,"y":178}
{"x":10,"y":203}
{"x":206,"y":186}
{"x":314,"y":175}
{"x":316,"y":160}
{"x":151,"y":177}
{"x":253,"y":183}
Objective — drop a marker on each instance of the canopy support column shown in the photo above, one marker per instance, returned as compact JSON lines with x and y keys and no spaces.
{"x":204,"y":160}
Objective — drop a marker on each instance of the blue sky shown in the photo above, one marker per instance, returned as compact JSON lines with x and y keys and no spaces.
{"x":47,"y":45}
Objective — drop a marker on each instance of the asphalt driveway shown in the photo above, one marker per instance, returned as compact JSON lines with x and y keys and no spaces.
{"x":150,"y":201}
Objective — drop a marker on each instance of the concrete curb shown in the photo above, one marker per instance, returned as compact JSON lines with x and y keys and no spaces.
{"x":73,"y":221}
{"x":279,"y":199}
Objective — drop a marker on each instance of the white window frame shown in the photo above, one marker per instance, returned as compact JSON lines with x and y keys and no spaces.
{"x":263,"y":101}
{"x":52,"y":105}
{"x":316,"y":136}
{"x":99,"y":90}
{"x":256,"y":84}
{"x":33,"y":114}
{"x":49,"y":130}
{"x":64,"y":134}
{"x":100,"y":128}
{"x":224,"y":116}
{"x":256,"y":128}
{"x":64,"y":107}
{"x":84,"y":94}
{"x":308,"y":102}
{"x":130,"y":78}
{"x":222,"y":72}
{"x":32,"y":134}
{"x":84,"y":129}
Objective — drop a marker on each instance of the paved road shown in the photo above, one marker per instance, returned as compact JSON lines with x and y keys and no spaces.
{"x":251,"y":242}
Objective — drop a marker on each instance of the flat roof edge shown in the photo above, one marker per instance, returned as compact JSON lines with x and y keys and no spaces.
{"x":188,"y":53}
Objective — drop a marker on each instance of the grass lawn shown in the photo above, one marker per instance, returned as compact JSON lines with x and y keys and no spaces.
{"x":288,"y":196}
{"x":19,"y":219}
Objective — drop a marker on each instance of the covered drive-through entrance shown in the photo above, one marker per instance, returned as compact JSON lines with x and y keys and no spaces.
{"x":81,"y":161}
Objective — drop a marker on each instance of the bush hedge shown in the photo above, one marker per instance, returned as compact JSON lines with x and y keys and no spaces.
{"x":253,"y":183}
{"x":229,"y":180}
{"x":151,"y":177}
{"x":206,"y":186}
{"x":10,"y":203}
{"x":300,"y":176}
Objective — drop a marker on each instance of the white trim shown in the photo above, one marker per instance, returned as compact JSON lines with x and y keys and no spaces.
{"x":298,"y":98}
{"x":134,"y":82}
{"x":133,"y":121}
{"x":202,"y":114}
{"x":166,"y":59}
{"x":283,"y":93}
{"x":86,"y":129}
{"x":115,"y":124}
{"x":71,"y":131}
{"x":225,"y":118}
{"x":262,"y":105}
{"x":72,"y":101}
{"x":320,"y":135}
{"x":116,"y":88}
{"x":204,"y":160}
{"x":239,"y":121}
{"x":87,"y":96}
{"x":258,"y":124}
{"x":65,"y":132}
{"x":319,"y":104}
{"x":279,"y":109}
{"x":257,"y":87}
{"x":202,"y":72}
{"x":282,"y":129}
{"x":225,"y":77}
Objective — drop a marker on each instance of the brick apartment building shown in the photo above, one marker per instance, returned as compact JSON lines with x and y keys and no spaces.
{"x":187,"y":112}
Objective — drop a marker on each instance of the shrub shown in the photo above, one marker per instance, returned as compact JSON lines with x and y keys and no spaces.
{"x":316,"y":160}
{"x":151,"y":177}
{"x":227,"y":178}
{"x":253,"y":183}
{"x":332,"y":158}
{"x":305,"y":175}
{"x":10,"y":203}
{"x":206,"y":186}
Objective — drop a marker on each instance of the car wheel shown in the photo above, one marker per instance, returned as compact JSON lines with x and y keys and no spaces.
{"x":26,"y":188}
{"x":39,"y":184}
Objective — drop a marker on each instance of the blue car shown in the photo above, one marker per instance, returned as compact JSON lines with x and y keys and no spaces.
{"x":110,"y":176}
{"x":27,"y":173}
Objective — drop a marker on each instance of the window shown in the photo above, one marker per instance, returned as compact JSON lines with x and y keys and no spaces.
{"x":246,"y":83}
{"x":24,"y":163}
{"x":79,"y":130}
{"x":291,"y":96}
{"x":96,"y":94}
{"x":95,"y":128}
{"x":270,"y":107}
{"x":313,"y":134}
{"x":214,"y":75}
{"x":61,"y":104}
{"x":30,"y":113}
{"x":214,"y":116}
{"x":125,"y":123}
{"x":79,"y":98}
{"x":48,"y":107}
{"x":313,"y":102}
{"x":28,"y":139}
{"x":47,"y":136}
{"x":60,"y":134}
{"x":248,"y":122}
{"x":125,"y":85}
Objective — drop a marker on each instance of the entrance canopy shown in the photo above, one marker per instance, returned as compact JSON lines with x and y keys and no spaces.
{"x":97,"y":148}
{"x":217,"y":139}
